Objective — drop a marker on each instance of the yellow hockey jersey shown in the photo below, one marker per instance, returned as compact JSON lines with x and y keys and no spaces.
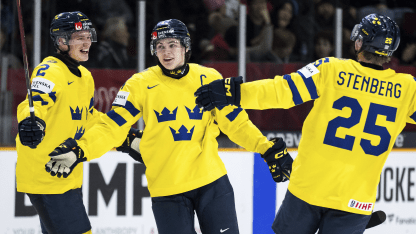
{"x":350,"y":131}
{"x":179,"y":146}
{"x":66,"y":103}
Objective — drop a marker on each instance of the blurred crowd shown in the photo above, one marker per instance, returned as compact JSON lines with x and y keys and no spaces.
{"x":278,"y":31}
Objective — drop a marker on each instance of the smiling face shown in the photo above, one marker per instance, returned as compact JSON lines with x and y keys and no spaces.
{"x":80,"y":44}
{"x":171,"y":53}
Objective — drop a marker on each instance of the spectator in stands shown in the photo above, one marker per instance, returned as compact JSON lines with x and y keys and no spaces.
{"x":324,"y":15}
{"x":283,"y":13}
{"x":217,"y":48}
{"x":106,"y":9}
{"x":408,"y":55}
{"x":381,"y":7}
{"x":283,"y":44}
{"x":112,"y":51}
{"x":259,"y":32}
{"x":324,"y":44}
{"x":259,"y":53}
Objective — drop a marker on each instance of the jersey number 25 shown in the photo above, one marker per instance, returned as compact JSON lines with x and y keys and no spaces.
{"x":369,"y":127}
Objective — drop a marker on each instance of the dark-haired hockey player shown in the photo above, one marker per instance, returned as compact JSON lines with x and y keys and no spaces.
{"x":359,"y":111}
{"x":179,"y":146}
{"x":63,"y":98}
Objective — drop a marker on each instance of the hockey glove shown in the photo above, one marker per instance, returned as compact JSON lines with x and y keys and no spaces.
{"x":219,"y":93}
{"x":278,"y":160}
{"x":31,"y":133}
{"x":131,"y":144}
{"x":65,"y":158}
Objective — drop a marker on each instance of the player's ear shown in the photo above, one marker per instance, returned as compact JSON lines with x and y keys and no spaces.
{"x":62,"y":43}
{"x":358,"y":44}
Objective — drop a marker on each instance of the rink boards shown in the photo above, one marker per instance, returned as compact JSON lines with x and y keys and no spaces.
{"x":127,"y":208}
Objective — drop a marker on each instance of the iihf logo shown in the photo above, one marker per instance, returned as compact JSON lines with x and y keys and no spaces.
{"x":77,"y":114}
{"x":166,"y":115}
{"x":196,"y":113}
{"x":352,"y":203}
{"x":183,"y":134}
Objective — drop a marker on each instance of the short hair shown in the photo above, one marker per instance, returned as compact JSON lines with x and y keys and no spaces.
{"x":375,"y":58}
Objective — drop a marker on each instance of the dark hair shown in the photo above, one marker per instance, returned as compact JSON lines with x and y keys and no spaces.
{"x":375,"y":58}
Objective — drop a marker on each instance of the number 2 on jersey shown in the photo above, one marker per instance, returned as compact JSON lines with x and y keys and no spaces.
{"x":44,"y":67}
{"x":369,"y":127}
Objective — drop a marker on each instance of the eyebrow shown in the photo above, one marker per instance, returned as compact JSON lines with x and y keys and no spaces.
{"x":170,"y":42}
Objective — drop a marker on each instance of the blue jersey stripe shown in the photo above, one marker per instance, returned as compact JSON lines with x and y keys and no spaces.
{"x":116,"y":118}
{"x":52,"y":95}
{"x":310,"y":85}
{"x":130,"y":108}
{"x":264,"y":197}
{"x":38,"y":91}
{"x":413,"y":116}
{"x":231,"y":116}
{"x":38,"y":98}
{"x":297,"y":99}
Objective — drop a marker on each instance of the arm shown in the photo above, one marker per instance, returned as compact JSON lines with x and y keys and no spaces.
{"x":281,"y":92}
{"x":45,"y":90}
{"x":234,"y":122}
{"x":109,"y":131}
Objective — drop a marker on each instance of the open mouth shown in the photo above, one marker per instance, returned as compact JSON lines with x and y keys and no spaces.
{"x":168,"y":59}
{"x":84,"y":51}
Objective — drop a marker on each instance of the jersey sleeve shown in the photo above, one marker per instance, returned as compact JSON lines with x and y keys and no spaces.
{"x":411,"y":116}
{"x":45,"y":86}
{"x":110,"y":129}
{"x":235,"y":123}
{"x":284,"y":91}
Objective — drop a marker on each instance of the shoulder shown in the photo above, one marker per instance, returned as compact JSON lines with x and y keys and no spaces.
{"x":148,"y":73}
{"x":207,"y":71}
{"x":322,"y":64}
{"x":84,"y":71}
{"x":50,"y":71}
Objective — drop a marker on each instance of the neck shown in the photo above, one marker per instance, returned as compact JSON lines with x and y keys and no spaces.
{"x":361,"y":58}
{"x":71,"y":63}
{"x":176,"y":73}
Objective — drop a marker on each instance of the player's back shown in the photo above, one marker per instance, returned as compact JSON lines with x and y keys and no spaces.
{"x":349,"y":133}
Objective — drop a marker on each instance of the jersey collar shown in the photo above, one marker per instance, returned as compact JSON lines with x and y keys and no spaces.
{"x":175,"y":73}
{"x":371,"y":65}
{"x":70,"y":63}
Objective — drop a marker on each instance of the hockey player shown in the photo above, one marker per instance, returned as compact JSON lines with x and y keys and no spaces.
{"x":63,"y":98}
{"x":178,"y":146}
{"x":359,"y":111}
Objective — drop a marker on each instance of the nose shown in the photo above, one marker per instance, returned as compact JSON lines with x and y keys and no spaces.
{"x":87,"y":42}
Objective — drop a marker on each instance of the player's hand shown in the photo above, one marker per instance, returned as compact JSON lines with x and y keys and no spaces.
{"x":131,"y":144}
{"x":278,"y":160}
{"x":65,"y":158}
{"x":219,"y":93}
{"x":31,"y":133}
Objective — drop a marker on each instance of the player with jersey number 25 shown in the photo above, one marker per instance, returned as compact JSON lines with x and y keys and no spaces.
{"x":359,"y":111}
